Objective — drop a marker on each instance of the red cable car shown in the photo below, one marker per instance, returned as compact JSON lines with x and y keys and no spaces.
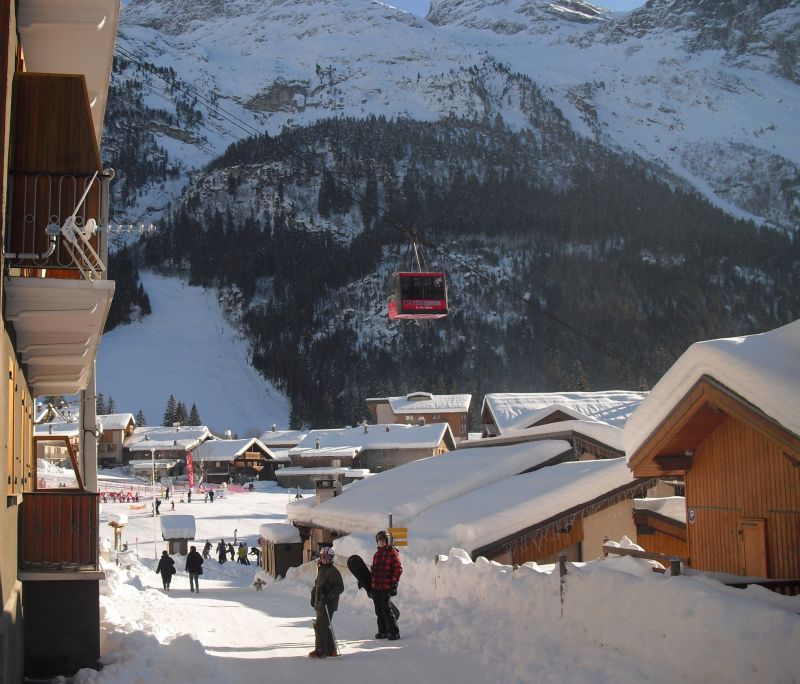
{"x":418,"y":296}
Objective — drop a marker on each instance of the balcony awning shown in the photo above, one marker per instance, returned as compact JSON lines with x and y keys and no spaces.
{"x":58,"y":324}
{"x":72,"y":38}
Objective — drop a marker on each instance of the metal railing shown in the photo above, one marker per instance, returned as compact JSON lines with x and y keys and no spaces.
{"x":51,"y":222}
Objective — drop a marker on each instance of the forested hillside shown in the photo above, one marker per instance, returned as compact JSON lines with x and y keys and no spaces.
{"x":587,"y":271}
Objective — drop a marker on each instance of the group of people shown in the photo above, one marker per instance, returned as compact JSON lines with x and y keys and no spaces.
{"x":328,"y":585}
{"x":194,"y":568}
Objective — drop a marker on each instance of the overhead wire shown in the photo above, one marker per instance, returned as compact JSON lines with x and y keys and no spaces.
{"x":393,"y":221}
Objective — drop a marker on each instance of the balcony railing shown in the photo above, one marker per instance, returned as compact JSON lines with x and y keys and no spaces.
{"x":58,"y":531}
{"x":52,"y":228}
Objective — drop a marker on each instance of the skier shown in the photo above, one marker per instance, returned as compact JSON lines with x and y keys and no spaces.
{"x":166,"y":568}
{"x":325,"y":600}
{"x":386,"y":571}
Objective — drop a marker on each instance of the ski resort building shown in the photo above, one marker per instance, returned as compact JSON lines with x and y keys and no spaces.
{"x":235,"y":460}
{"x":725,"y":418}
{"x":423,"y":407}
{"x":116,"y":428}
{"x":56,"y":294}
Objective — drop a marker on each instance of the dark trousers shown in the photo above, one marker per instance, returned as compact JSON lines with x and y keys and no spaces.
{"x":386,"y":621}
{"x":194,"y":581}
{"x":323,"y":637}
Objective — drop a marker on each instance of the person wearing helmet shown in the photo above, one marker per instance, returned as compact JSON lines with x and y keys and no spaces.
{"x":325,"y":600}
{"x":386,"y":571}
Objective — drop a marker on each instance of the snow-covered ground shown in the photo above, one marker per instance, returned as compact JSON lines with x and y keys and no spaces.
{"x":461,"y":621}
{"x":186,"y":348}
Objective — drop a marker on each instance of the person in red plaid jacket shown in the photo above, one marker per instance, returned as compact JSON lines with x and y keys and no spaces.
{"x":386,"y":571}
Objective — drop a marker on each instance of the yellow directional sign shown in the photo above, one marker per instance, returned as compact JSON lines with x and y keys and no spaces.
{"x":399,"y":536}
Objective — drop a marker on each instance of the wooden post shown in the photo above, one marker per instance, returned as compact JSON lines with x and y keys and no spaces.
{"x":562,"y":574}
{"x":674,"y":566}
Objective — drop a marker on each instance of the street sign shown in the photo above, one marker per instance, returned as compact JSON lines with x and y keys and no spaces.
{"x":399,"y":536}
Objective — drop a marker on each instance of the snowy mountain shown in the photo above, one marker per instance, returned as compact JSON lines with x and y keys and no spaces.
{"x":554,"y":145}
{"x":705,"y":90}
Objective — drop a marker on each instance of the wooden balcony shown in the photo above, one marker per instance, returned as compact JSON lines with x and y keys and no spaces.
{"x":58,"y":532}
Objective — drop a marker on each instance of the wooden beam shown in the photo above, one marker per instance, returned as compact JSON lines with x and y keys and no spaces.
{"x":675,"y":463}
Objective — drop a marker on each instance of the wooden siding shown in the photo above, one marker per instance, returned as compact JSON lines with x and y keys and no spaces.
{"x":548,"y":545}
{"x":58,"y":529}
{"x":657,"y":534}
{"x":740,"y":473}
{"x":52,"y":127}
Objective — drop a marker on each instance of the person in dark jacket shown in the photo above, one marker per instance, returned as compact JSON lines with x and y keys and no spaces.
{"x":232,"y":551}
{"x":325,"y":600}
{"x":386,"y":571}
{"x":222,"y":551}
{"x":207,"y":550}
{"x":194,"y":566}
{"x":166,"y":568}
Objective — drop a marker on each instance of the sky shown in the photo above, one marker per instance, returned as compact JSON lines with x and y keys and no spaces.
{"x":461,"y":621}
{"x":420,"y":7}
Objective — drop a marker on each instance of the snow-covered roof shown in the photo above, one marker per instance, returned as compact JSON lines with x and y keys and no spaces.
{"x":327,"y":452}
{"x":57,"y":429}
{"x":514,"y":411}
{"x":177,"y":526}
{"x":226,"y":449}
{"x":410,"y":489}
{"x":116,"y":421}
{"x":673,"y":507}
{"x":602,"y":433}
{"x":322,"y":470}
{"x":500,"y":509}
{"x":424,"y":402}
{"x":280,"y":533}
{"x":164,"y":438}
{"x":146,"y":463}
{"x":380,"y":436}
{"x":283,"y":437}
{"x":763,"y":369}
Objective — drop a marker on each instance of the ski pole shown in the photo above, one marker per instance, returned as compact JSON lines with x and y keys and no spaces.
{"x":333,"y":634}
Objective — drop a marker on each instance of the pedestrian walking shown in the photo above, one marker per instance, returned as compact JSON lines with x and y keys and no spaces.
{"x":222,"y":551}
{"x":166,"y":568}
{"x":386,"y":571}
{"x":189,"y":496}
{"x":232,"y":551}
{"x":211,"y":495}
{"x":194,"y":566}
{"x":328,"y":585}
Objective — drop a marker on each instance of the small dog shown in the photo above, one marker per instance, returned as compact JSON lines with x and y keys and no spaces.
{"x":259,"y":583}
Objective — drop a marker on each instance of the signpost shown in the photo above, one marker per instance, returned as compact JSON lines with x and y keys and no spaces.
{"x":399,"y":536}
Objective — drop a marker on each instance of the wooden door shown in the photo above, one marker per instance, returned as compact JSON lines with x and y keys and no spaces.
{"x":753,"y":547}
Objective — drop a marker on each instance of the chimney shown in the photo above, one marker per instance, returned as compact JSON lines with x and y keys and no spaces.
{"x":228,"y":434}
{"x":421,"y":421}
{"x":387,"y":428}
{"x":366,"y":427}
{"x":316,"y":445}
{"x":274,"y":427}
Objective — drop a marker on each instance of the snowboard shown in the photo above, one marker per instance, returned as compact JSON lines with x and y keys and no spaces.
{"x":361,"y":572}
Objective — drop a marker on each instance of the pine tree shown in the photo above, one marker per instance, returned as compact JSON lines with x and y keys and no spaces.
{"x":111,"y":407}
{"x":194,"y":416}
{"x":100,"y":405}
{"x":180,"y":414}
{"x":169,"y":413}
{"x":140,"y":419}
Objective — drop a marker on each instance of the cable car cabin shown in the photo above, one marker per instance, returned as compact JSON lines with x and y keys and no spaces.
{"x":418,"y":296}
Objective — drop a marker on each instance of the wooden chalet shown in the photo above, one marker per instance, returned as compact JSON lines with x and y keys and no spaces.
{"x":56,"y":66}
{"x":725,"y":418}
{"x":234,"y":460}
{"x":423,"y":407}
{"x":116,"y":428}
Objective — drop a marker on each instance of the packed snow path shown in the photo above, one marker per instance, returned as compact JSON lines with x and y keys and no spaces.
{"x":266,"y":635}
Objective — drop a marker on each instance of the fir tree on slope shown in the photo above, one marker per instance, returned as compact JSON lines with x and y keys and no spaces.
{"x":140,"y":419}
{"x":169,"y":412}
{"x":100,"y":405}
{"x":194,"y":416}
{"x":180,"y":414}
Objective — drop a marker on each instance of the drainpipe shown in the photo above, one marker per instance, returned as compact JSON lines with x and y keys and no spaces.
{"x":102,"y":234}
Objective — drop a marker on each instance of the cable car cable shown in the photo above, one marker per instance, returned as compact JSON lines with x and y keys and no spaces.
{"x":412,"y":233}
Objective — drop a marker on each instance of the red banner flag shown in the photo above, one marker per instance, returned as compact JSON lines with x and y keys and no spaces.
{"x":190,"y":469}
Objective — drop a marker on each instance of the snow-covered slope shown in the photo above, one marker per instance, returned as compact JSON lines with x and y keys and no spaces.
{"x":186,"y":348}
{"x":701,"y":89}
